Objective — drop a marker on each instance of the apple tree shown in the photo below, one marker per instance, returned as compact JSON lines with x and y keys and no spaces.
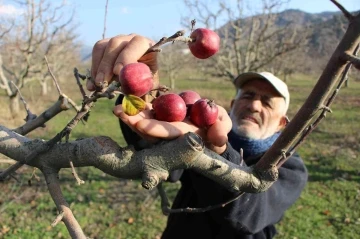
{"x":41,"y":28}
{"x":152,"y":165}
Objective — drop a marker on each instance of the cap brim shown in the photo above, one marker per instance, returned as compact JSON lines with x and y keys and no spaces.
{"x":245,"y":77}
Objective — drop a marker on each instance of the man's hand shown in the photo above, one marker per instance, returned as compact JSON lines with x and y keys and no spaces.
{"x":144,"y":124}
{"x":110,"y":55}
{"x":108,"y":58}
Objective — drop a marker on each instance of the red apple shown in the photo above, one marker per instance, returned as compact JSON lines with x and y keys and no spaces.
{"x":169,"y":107}
{"x":190,"y":96}
{"x":204,"y":113}
{"x":205,"y":43}
{"x":136,"y":79}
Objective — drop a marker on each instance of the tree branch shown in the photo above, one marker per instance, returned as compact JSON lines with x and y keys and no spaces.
{"x":53,"y":183}
{"x":347,"y":56}
{"x":60,"y":105}
{"x":346,"y":13}
{"x":316,"y":100}
{"x":151,"y":165}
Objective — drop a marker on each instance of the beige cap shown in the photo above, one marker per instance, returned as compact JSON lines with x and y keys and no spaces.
{"x":278,"y":84}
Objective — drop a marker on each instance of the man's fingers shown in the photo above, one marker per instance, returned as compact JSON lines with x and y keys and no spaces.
{"x":90,"y":86}
{"x":113,"y":48}
{"x":110,"y":55}
{"x":163,"y":129}
{"x":133,"y":51}
{"x":217,"y":135}
{"x":144,"y":124}
{"x":97,"y":55}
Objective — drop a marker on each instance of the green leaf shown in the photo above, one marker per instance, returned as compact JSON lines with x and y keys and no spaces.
{"x":132,"y":104}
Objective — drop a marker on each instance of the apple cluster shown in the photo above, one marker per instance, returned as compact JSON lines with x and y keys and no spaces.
{"x":173,"y":107}
{"x":137,"y":79}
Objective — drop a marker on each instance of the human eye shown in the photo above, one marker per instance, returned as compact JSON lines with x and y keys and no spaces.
{"x":247,"y":95}
{"x":267,"y":101}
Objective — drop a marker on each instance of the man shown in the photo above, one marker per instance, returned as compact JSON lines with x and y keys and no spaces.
{"x":258,"y":114}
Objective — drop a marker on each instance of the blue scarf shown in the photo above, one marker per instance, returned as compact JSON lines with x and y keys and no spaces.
{"x":251,"y":146}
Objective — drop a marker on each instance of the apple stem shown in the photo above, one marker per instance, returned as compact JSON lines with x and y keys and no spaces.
{"x":211,"y":103}
{"x":193,"y":22}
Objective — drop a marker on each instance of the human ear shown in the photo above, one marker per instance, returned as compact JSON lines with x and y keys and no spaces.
{"x":283,"y":122}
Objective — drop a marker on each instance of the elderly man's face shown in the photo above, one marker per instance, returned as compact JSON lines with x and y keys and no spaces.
{"x":259,"y":112}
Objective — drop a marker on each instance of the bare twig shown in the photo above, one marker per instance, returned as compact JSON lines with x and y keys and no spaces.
{"x":193,"y":22}
{"x":77,"y":78}
{"x":106,"y":8}
{"x":33,"y":175}
{"x":52,"y":76}
{"x":7,"y":30}
{"x":352,"y":59}
{"x":60,"y":105}
{"x":346,"y":13}
{"x":178,"y":36}
{"x":58,"y":219}
{"x":167,"y":210}
{"x":29,"y":116}
{"x":74,"y":173}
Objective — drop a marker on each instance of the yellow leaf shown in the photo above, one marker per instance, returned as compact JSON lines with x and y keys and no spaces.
{"x":132,"y":104}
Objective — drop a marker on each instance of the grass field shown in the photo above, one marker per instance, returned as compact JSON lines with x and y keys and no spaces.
{"x":107,"y":207}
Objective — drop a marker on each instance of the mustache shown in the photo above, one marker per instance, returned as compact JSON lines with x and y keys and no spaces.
{"x":253,"y":116}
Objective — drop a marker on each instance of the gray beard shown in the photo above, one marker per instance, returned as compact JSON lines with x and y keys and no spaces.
{"x":236,"y":129}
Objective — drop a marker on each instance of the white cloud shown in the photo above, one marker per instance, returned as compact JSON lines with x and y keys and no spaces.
{"x":10,"y":10}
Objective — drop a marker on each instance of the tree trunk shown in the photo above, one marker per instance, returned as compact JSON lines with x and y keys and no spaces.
{"x":172,"y":81}
{"x":44,"y":88}
{"x":14,"y":105}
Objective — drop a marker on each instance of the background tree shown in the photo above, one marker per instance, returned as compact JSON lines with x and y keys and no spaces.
{"x":173,"y":61}
{"x":248,"y":43}
{"x":43,"y":29}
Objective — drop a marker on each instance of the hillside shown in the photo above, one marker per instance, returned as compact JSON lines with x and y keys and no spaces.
{"x":324,"y":29}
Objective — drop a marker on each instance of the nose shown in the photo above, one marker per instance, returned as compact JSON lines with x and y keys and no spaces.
{"x":255,"y":104}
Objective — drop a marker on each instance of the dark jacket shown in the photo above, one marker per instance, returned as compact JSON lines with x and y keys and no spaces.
{"x":252,"y":216}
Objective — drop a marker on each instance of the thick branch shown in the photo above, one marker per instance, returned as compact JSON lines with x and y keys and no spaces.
{"x":151,"y":165}
{"x":316,"y":99}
